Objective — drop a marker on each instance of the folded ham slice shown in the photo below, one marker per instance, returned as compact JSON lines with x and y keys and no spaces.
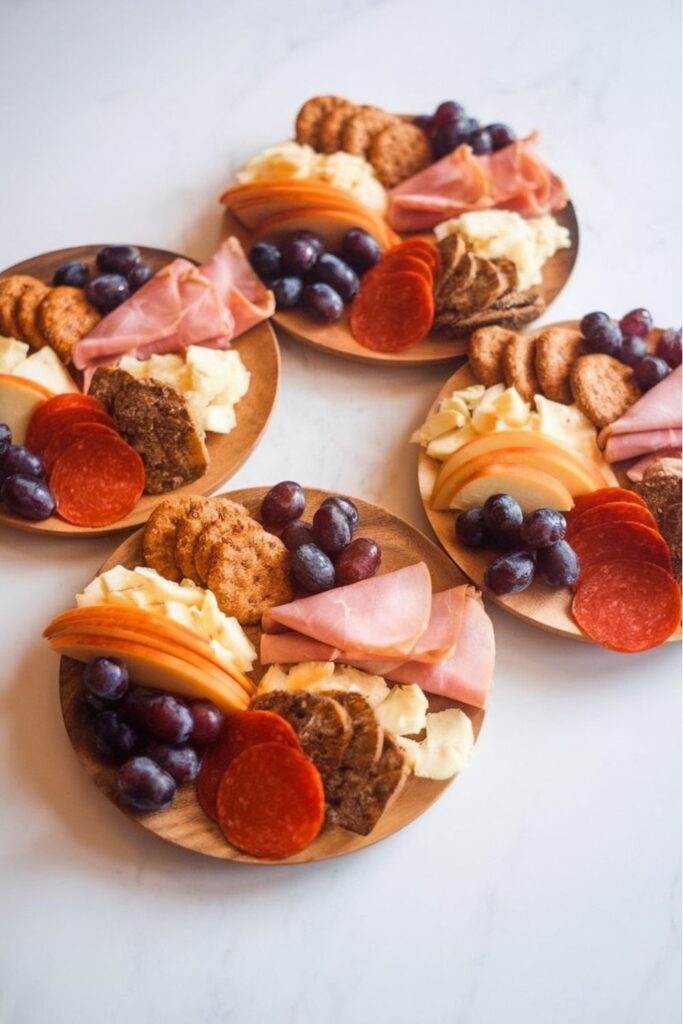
{"x":240,"y":289}
{"x":514,"y":178}
{"x":658,"y":409}
{"x":641,"y":442}
{"x":386,"y":614}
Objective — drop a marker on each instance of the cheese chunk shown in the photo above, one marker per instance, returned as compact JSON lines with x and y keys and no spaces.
{"x":308,"y":674}
{"x":404,"y":711}
{"x":446,"y":749}
{"x":46,"y":368}
{"x":12,"y":352}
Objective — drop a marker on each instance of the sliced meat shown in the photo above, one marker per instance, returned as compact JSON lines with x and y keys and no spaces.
{"x":642,"y":442}
{"x":658,"y":409}
{"x":321,"y":723}
{"x":240,"y":289}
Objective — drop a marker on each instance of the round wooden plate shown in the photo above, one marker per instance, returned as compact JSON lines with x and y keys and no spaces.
{"x":435,"y":348}
{"x":540,"y":605}
{"x":260,"y":354}
{"x":185,"y":823}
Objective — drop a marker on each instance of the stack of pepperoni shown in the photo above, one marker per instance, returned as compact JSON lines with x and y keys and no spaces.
{"x":95,"y":476}
{"x":626,"y":597}
{"x":394,"y":309}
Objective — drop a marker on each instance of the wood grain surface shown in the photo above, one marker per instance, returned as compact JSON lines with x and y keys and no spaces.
{"x":260,"y":354}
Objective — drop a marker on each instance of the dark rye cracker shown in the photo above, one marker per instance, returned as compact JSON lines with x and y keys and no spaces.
{"x":321,"y":723}
{"x":366,"y":795}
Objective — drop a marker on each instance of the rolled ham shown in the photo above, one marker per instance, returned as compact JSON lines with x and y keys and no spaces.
{"x":658,"y":409}
{"x":641,"y":442}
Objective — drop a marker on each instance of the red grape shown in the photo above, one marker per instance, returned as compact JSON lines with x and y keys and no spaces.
{"x":181,"y":763}
{"x":27,"y":497}
{"x":323,"y":301}
{"x":19,"y":459}
{"x":167,"y":718}
{"x":308,"y":236}
{"x":283,"y":503}
{"x":470,"y":529}
{"x":312,"y":569}
{"x":638,"y":321}
{"x":650,"y":371}
{"x":207,"y":722}
{"x":106,"y":677}
{"x":346,"y":506}
{"x":287,"y":291}
{"x":543,"y":528}
{"x":139,"y":275}
{"x":632,"y":349}
{"x":266,"y":260}
{"x":107,"y":291}
{"x":144,"y":785}
{"x":358,"y":561}
{"x":331,"y":530}
{"x":448,"y":111}
{"x":669,"y":347}
{"x":298,"y":254}
{"x":117,"y":259}
{"x":297,"y":533}
{"x":5,"y":438}
{"x":501,"y":135}
{"x":74,"y":274}
{"x":604,"y":338}
{"x":112,"y":736}
{"x":502,"y":518}
{"x":558,"y":564}
{"x":592,"y":320}
{"x":337,"y":274}
{"x":481,"y":141}
{"x":360,"y":250}
{"x":510,"y":573}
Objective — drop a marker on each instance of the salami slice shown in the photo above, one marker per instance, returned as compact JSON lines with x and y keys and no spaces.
{"x":603,"y":495}
{"x":242,"y":730}
{"x":392,"y":312}
{"x":271,"y":802}
{"x":628,"y":605}
{"x":68,"y":434}
{"x":610,"y":512}
{"x":39,"y":436}
{"x":97,"y":480}
{"x":417,"y":247}
{"x":408,"y":262}
{"x":70,"y":400}
{"x":607,"y":541}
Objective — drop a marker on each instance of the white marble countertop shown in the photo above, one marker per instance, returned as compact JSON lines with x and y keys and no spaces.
{"x":544,"y":886}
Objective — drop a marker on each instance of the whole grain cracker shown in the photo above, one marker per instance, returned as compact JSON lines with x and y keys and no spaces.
{"x":603,"y":388}
{"x":557,"y":349}
{"x":399,"y":151}
{"x":64,"y":317}
{"x":158,"y":542}
{"x":310,"y":117}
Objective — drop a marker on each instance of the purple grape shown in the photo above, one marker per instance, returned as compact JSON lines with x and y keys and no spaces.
{"x":632,"y":350}
{"x":558,"y":564}
{"x":650,"y":371}
{"x":112,"y":736}
{"x":502,"y":518}
{"x":324,"y":301}
{"x":425,"y":122}
{"x":93,"y":704}
{"x":297,"y":533}
{"x":346,"y":506}
{"x":308,"y":236}
{"x":337,"y":274}
{"x":592,"y":320}
{"x":501,"y":135}
{"x":135,"y":702}
{"x":312,"y":569}
{"x":107,"y":291}
{"x":472,"y":125}
{"x":638,"y":321}
{"x":449,"y":111}
{"x":207,"y":722}
{"x":283,"y":503}
{"x":604,"y":338}
{"x":331,"y":530}
{"x":5,"y":438}
{"x":510,"y":573}
{"x":266,"y":260}
{"x":117,"y":259}
{"x":298,"y":255}
{"x":142,"y":784}
{"x":360,"y":250}
{"x":543,"y":528}
{"x":181,"y":763}
{"x":669,"y":347}
{"x":167,"y":718}
{"x":470,"y":529}
{"x":448,"y":137}
{"x":481,"y":142}
{"x":107,"y":678}
{"x":287,"y":291}
{"x":140,"y":274}
{"x":27,"y":497}
{"x":19,"y":459}
{"x":74,"y":274}
{"x":358,"y":561}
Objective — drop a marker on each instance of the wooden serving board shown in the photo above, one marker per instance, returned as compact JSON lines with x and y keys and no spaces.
{"x":436,"y":347}
{"x":185,"y":824}
{"x":539,"y":605}
{"x":259,"y":351}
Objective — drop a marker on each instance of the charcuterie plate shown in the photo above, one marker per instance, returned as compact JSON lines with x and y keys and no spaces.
{"x":539,"y":605}
{"x":184,"y":823}
{"x":259,"y":352}
{"x":337,"y":339}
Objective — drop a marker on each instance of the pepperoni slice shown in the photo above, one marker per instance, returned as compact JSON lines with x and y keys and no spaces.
{"x":405,"y":261}
{"x":41,"y":434}
{"x":241,"y":730}
{"x":72,"y":432}
{"x":70,"y":400}
{"x":417,"y":247}
{"x":628,"y":605}
{"x":607,"y":541}
{"x":603,"y":495}
{"x":97,"y":480}
{"x":393,"y":311}
{"x":610,"y":512}
{"x":271,"y":802}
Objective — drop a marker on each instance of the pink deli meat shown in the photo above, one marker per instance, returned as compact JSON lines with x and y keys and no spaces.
{"x":641,"y":442}
{"x":384,"y":614}
{"x":515,"y":178}
{"x":658,"y":409}
{"x":636,"y":472}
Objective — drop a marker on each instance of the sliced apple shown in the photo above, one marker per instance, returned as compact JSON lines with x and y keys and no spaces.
{"x":19,"y":399}
{"x":151,"y":667}
{"x":329,"y":224}
{"x":46,"y":368}
{"x":532,"y":488}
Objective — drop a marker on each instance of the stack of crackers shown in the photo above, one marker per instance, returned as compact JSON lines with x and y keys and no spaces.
{"x":394,"y":146}
{"x":473,"y":291}
{"x":38,"y":314}
{"x":215,"y":543}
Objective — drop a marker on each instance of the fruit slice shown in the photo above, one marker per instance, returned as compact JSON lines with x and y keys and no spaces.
{"x":250,"y":202}
{"x":154,"y":630}
{"x":329,"y":224}
{"x":19,"y":399}
{"x":532,"y":488}
{"x":149,"y":666}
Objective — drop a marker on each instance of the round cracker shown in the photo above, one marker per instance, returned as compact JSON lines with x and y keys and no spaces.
{"x":248,"y":578}
{"x":310,"y":117}
{"x":399,"y":151}
{"x":331,"y":127}
{"x":603,"y":388}
{"x":64,"y":317}
{"x":360,"y":128}
{"x":160,"y":533}
{"x":199,"y":519}
{"x":11,"y":290}
{"x":25,"y":313}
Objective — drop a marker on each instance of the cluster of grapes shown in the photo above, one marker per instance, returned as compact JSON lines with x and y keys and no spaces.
{"x":627,"y":342}
{"x":324,"y":554}
{"x":153,"y":736}
{"x":300,"y":272}
{"x":121,"y":272}
{"x":449,"y":126}
{"x":23,"y":488}
{"x":531,"y":544}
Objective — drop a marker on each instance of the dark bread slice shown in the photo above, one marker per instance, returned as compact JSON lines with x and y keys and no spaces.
{"x":365,"y":796}
{"x":660,"y":489}
{"x":321,"y":723}
{"x":365,"y":747}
